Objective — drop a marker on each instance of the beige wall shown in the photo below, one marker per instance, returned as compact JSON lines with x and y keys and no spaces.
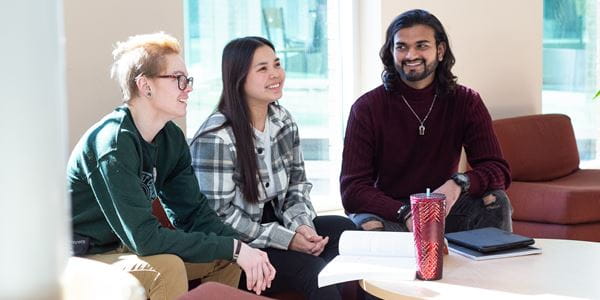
{"x":91,"y":29}
{"x":497,"y":44}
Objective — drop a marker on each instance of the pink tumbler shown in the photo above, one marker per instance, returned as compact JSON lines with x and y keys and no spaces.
{"x":429,"y":213}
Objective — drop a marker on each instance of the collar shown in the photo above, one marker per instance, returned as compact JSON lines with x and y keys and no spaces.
{"x":275,"y":116}
{"x":416,"y":95}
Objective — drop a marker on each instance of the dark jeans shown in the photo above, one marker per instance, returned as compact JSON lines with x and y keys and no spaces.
{"x":467,"y":213}
{"x":298,"y":271}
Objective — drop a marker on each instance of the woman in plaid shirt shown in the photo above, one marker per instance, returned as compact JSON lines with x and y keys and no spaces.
{"x":249,"y":164}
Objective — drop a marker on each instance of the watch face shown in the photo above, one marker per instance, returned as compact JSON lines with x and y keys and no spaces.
{"x":462,"y":180}
{"x":403,"y":211}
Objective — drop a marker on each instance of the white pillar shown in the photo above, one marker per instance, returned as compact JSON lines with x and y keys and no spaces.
{"x":34,"y":209}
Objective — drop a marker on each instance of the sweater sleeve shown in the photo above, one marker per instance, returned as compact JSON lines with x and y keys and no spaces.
{"x":117,"y":187}
{"x":359,"y":171}
{"x":490,"y":170}
{"x":185,"y":205}
{"x":214,"y":165}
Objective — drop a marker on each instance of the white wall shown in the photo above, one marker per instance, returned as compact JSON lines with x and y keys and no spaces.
{"x":92,"y":28}
{"x":497,"y":45}
{"x":34,"y":227}
{"x":371,"y":34}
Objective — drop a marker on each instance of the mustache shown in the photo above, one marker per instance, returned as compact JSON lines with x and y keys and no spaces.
{"x":407,"y":61}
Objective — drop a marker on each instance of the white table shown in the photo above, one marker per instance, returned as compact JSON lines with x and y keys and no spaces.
{"x":565,"y":270}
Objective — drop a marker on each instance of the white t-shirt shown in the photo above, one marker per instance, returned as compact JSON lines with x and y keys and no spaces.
{"x":264,"y":139}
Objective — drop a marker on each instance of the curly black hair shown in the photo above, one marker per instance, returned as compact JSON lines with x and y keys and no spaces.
{"x":446,"y":81}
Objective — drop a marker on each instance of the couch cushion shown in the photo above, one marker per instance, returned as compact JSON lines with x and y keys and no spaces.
{"x":585,"y":232}
{"x":215,"y":290}
{"x":538,"y":147}
{"x":573,"y":199}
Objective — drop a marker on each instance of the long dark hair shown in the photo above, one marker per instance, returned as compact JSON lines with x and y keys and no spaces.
{"x":235,"y":64}
{"x":446,"y":81}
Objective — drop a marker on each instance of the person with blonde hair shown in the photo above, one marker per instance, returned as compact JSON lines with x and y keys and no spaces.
{"x":136,"y":155}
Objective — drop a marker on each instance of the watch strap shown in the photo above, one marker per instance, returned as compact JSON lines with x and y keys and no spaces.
{"x":238,"y":247}
{"x":404,"y":212}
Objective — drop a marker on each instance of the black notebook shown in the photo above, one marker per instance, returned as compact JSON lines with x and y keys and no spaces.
{"x":476,"y":255}
{"x":488,"y":239}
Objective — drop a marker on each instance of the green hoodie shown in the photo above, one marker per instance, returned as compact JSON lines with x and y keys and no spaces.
{"x":113,"y":175}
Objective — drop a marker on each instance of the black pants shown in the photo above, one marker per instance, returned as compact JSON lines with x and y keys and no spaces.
{"x":467,"y":213}
{"x":471,"y":213}
{"x":297,"y":271}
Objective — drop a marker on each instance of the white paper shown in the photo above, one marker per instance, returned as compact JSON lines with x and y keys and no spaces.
{"x":373,"y":255}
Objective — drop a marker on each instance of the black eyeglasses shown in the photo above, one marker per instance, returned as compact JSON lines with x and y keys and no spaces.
{"x":182,"y":80}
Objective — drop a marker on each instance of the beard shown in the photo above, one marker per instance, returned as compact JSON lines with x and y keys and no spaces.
{"x":414,"y":75}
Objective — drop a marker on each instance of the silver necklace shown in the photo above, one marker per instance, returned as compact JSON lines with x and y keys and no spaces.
{"x":422,"y":122}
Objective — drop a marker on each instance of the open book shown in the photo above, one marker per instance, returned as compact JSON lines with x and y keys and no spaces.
{"x":373,"y":255}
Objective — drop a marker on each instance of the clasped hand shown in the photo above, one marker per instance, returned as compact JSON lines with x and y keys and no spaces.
{"x":258,"y":269}
{"x":308,"y":241}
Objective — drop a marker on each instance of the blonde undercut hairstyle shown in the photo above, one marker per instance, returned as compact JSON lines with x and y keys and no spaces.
{"x":141,"y":55}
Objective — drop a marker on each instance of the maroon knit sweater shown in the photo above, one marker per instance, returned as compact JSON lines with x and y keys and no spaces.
{"x":385,"y":159}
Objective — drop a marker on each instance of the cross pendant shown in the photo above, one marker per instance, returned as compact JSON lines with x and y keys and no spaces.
{"x":421,"y":130}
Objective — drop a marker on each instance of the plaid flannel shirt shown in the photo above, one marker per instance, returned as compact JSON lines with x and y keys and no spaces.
{"x":214,"y":162}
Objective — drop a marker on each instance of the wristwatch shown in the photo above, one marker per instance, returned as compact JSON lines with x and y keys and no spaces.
{"x":238,"y":247}
{"x":404,"y":213}
{"x":462,"y":180}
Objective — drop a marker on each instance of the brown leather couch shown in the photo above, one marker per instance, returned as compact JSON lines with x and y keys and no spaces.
{"x":551,"y":196}
{"x":214,"y":290}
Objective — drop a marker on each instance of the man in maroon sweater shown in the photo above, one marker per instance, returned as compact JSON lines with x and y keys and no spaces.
{"x":406,"y":135}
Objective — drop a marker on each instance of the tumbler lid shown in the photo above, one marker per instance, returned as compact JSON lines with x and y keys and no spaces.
{"x":431,"y":196}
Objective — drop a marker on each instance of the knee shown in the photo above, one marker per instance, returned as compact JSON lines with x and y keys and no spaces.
{"x":365,"y":218}
{"x":171,"y":260}
{"x":171,"y":268}
{"x":495,"y":198}
{"x":344,"y":224}
{"x":164,"y":275}
{"x":503,"y":207}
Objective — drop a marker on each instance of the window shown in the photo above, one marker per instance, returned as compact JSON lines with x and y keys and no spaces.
{"x":305,"y":35}
{"x":571,"y":69}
